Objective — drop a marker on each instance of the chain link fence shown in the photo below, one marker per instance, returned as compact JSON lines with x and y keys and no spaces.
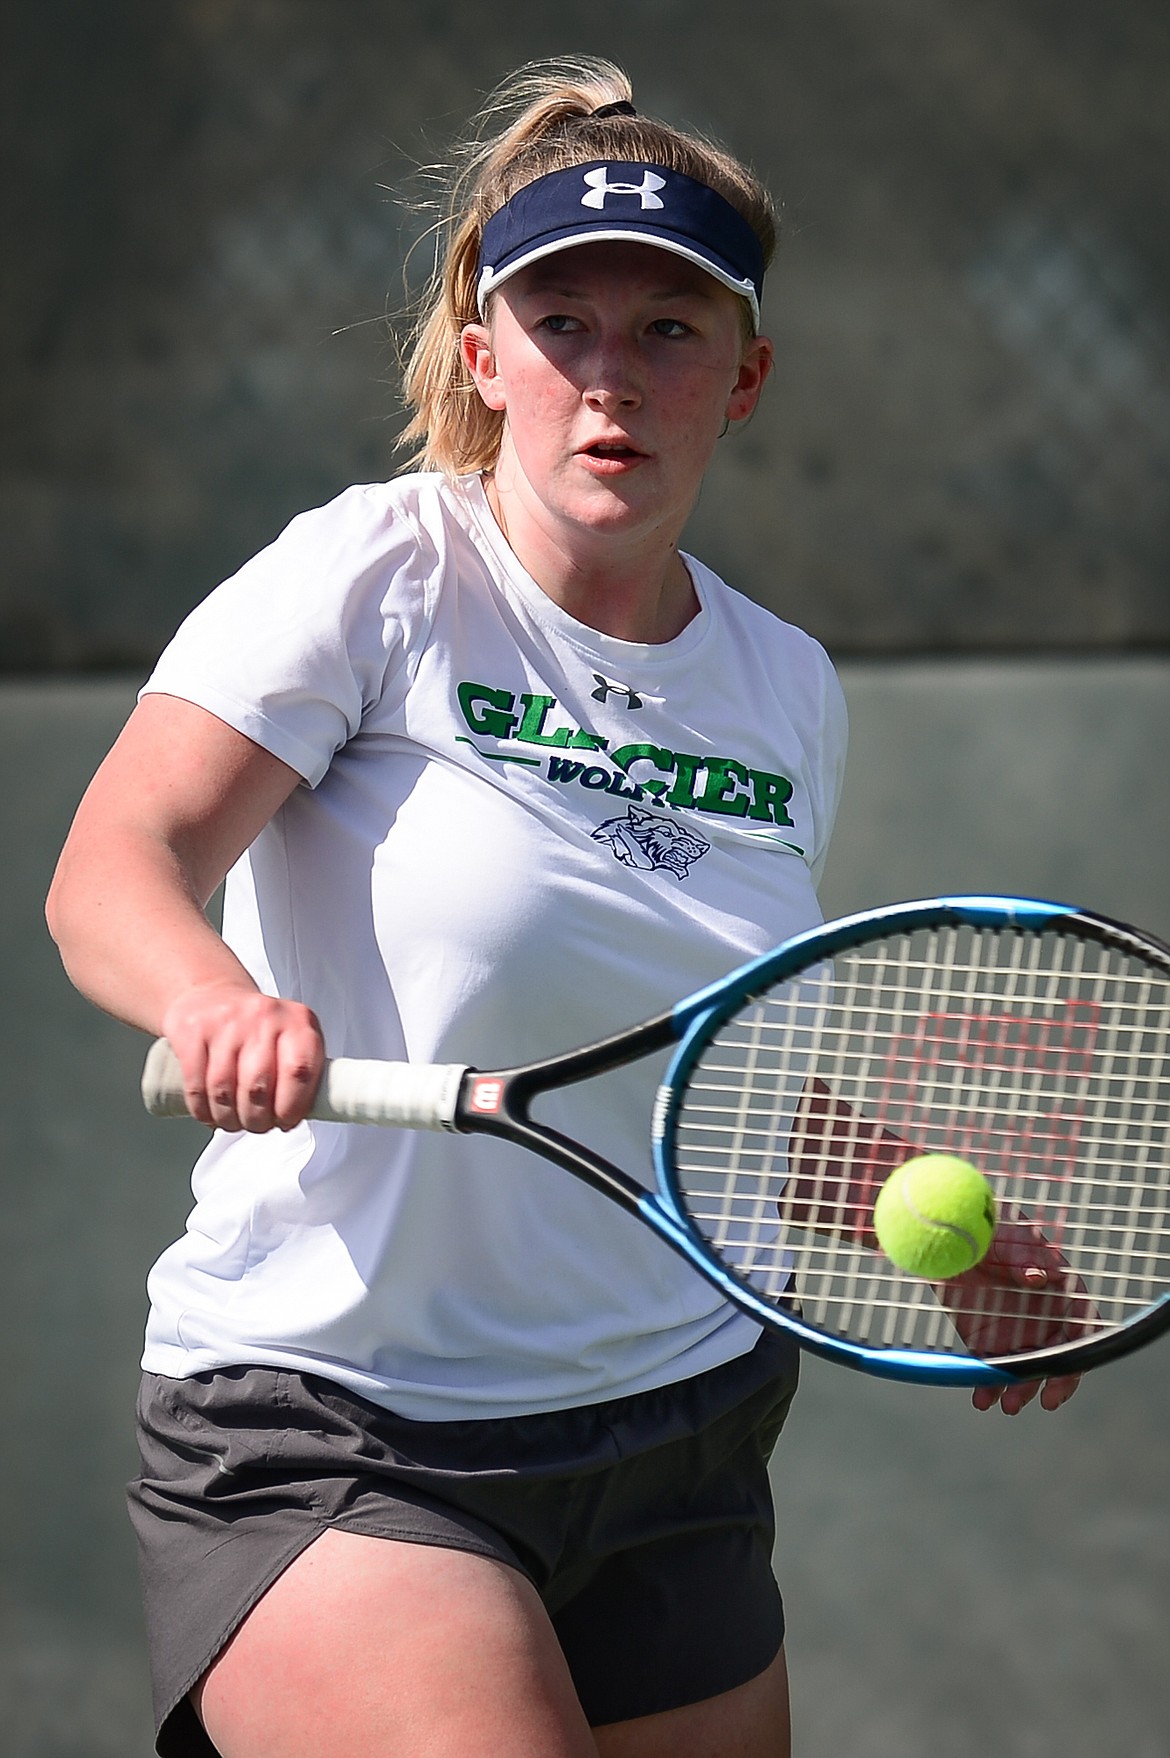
{"x":965,"y":448}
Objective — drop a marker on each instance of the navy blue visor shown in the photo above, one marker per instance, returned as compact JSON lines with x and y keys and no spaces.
{"x":601,"y":201}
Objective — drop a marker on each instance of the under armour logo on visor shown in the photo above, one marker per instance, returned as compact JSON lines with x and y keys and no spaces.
{"x":600,"y":187}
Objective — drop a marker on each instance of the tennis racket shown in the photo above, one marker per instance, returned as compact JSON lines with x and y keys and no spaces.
{"x":1027,"y":1037}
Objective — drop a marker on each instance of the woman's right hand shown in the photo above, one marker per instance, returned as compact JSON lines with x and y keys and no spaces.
{"x":250,"y":1061}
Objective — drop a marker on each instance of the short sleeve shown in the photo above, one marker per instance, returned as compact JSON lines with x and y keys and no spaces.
{"x":296,"y":648}
{"x":832,"y":746}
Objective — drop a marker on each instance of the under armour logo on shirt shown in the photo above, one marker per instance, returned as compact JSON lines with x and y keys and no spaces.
{"x":605,"y":689}
{"x":600,"y":187}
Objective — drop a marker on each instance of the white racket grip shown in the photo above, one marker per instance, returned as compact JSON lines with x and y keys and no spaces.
{"x":401,"y":1095}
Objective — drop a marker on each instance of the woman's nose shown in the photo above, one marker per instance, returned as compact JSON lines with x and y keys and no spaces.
{"x":613,"y":380}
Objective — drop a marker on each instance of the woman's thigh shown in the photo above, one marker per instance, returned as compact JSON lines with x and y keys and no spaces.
{"x":751,"y":1721}
{"x":369,"y":1646}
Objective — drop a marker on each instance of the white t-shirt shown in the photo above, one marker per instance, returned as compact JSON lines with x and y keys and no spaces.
{"x":517,"y":835}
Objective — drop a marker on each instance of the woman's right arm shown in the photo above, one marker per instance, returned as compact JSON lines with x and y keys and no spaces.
{"x":177,"y":801}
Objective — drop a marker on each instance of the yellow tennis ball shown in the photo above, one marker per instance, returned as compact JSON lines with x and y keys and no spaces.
{"x":935,"y":1216}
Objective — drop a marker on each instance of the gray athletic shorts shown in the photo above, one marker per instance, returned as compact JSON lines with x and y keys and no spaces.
{"x":645,"y":1523}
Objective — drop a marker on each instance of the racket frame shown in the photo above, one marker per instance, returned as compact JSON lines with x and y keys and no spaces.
{"x":498,"y":1102}
{"x":701,"y":1015}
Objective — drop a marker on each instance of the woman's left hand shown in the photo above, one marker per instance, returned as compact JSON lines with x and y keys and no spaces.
{"x":1023,"y":1295}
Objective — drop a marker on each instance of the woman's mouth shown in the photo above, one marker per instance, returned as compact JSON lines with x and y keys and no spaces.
{"x":612,"y":454}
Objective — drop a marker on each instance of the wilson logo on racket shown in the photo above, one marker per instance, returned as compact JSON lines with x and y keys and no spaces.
{"x":486,"y":1095}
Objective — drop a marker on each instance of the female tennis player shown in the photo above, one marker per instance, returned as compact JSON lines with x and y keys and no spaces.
{"x":441,"y":1453}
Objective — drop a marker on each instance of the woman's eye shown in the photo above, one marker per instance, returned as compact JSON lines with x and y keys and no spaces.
{"x":670,"y":327}
{"x":559,"y":323}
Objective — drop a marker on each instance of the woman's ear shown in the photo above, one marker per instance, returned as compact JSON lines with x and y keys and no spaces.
{"x":475,"y":348}
{"x":754,"y":368}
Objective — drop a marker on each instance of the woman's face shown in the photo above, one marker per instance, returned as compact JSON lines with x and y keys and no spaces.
{"x":616,"y":365}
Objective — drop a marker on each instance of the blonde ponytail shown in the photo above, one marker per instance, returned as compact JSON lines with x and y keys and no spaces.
{"x":539,"y":120}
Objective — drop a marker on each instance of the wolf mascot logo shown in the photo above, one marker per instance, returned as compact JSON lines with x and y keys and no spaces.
{"x":650,"y":841}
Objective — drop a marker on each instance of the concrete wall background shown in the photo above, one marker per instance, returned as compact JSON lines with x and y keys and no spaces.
{"x":957,"y":1585}
{"x":1050,"y":780}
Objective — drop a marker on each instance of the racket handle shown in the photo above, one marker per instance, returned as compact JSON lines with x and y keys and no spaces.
{"x":403,"y":1095}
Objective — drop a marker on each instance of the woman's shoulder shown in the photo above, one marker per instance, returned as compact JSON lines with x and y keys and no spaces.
{"x":362,"y":570}
{"x":382,"y":542}
{"x":417,"y":504}
{"x":754,"y":625}
{"x":779,"y":670}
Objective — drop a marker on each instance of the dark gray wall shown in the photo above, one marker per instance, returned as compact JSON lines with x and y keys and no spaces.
{"x":966,"y":444}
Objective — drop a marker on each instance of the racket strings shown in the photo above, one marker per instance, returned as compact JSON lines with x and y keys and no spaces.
{"x":1042,"y":1057}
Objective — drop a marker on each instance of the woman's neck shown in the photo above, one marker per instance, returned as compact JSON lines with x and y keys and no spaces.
{"x":639,"y":590}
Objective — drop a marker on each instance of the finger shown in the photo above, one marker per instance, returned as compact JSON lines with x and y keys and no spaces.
{"x":193,"y":1062}
{"x":1059,"y":1391}
{"x":300,"y":1064}
{"x":256,"y":1079}
{"x":1010,"y":1399}
{"x":1013,"y":1399}
{"x":1022,"y":1252}
{"x":222,"y":1083}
